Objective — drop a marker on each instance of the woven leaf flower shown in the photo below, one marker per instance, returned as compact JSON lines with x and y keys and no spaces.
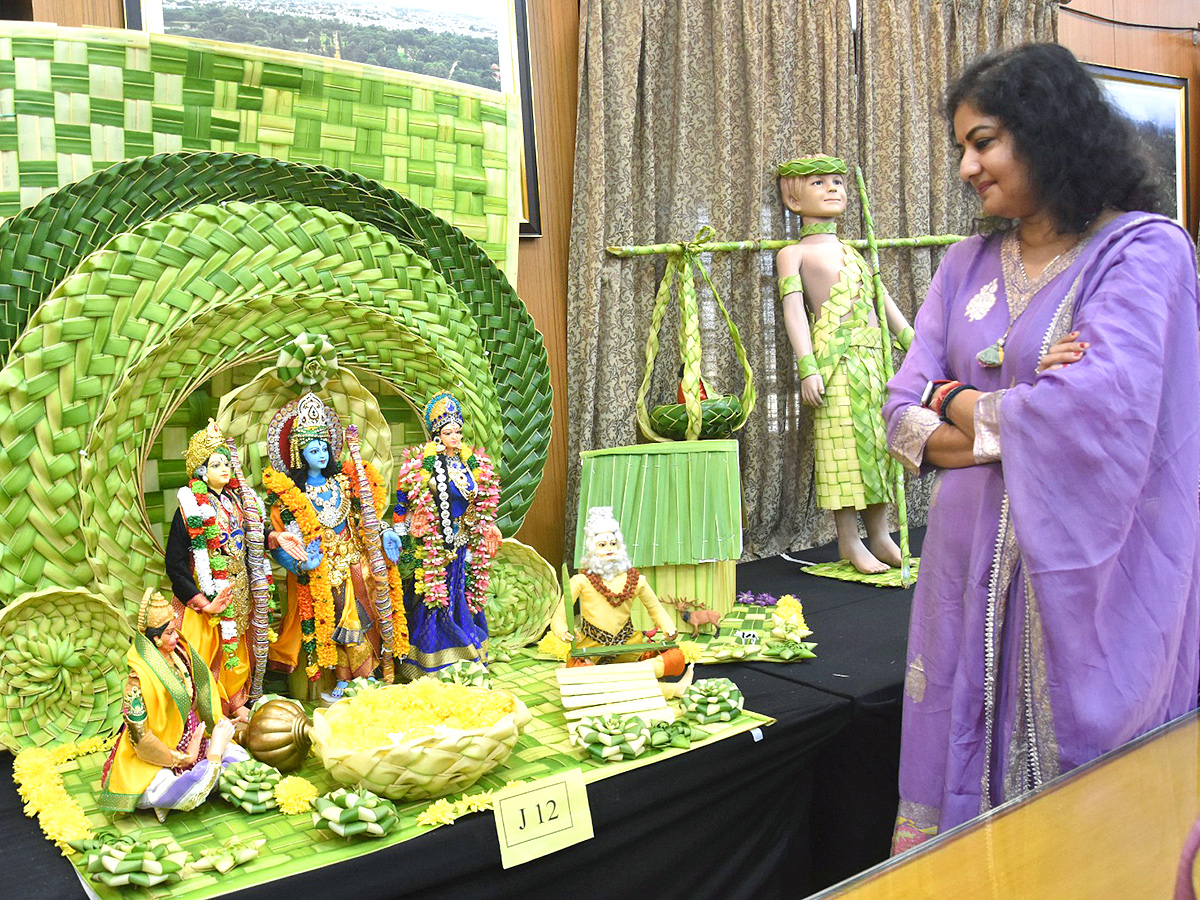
{"x":467,"y":672}
{"x":224,"y":856}
{"x":250,"y":785}
{"x":713,"y":700}
{"x":62,"y":669}
{"x":348,"y":813}
{"x":789,"y":650}
{"x":674,"y":734}
{"x":786,"y":628}
{"x":613,"y":737}
{"x":307,"y":360}
{"x":123,"y":862}
{"x":721,"y":652}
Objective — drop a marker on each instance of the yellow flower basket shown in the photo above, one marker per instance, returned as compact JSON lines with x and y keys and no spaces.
{"x":439,"y":761}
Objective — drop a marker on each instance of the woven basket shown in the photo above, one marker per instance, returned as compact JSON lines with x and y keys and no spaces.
{"x":62,"y":668}
{"x":42,"y":244}
{"x":722,"y":418}
{"x":522,"y":594}
{"x":420,"y":768}
{"x":719,"y":417}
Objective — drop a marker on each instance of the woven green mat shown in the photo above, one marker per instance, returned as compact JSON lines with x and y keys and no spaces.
{"x":293,"y":846}
{"x":842,"y":570}
{"x":741,"y":618}
{"x":79,"y":100}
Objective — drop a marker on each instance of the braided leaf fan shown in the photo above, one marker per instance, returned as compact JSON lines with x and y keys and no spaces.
{"x":42,"y":244}
{"x":522,"y":593}
{"x":62,"y":668}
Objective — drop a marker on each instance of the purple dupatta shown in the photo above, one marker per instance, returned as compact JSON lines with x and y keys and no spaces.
{"x":1057,"y":614}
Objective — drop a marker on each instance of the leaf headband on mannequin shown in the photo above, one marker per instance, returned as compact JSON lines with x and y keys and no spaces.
{"x":812,"y":165}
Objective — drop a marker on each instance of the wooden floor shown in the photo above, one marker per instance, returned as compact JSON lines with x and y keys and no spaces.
{"x":1113,"y":829}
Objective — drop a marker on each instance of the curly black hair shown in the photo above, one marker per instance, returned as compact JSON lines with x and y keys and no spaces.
{"x":299,"y":475}
{"x":1082,"y":155}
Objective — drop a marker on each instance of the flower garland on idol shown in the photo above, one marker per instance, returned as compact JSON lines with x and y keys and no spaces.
{"x":209,"y":564}
{"x":381,"y":495}
{"x":430,"y":558}
{"x":314,"y":594}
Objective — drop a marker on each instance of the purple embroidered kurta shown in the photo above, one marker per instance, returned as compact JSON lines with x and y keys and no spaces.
{"x":1057,"y":613}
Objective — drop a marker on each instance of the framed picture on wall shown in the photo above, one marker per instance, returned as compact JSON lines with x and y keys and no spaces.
{"x":484,"y":43}
{"x":1158,"y":107}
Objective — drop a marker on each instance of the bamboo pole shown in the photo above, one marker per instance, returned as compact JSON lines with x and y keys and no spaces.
{"x":929,"y":240}
{"x":885,"y":338}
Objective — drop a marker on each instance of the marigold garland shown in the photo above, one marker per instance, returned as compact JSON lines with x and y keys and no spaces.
{"x":431,"y":556}
{"x":314,"y":593}
{"x":35,"y":771}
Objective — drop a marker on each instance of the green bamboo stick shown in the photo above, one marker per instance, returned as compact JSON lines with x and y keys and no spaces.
{"x":885,"y":338}
{"x":928,"y":240}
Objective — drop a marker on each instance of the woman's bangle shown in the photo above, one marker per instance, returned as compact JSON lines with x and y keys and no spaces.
{"x":930,"y":392}
{"x":905,"y":337}
{"x":944,"y":407}
{"x":808,"y":366}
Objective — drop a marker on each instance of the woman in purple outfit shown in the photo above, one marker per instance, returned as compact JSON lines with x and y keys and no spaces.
{"x":1052,"y":386}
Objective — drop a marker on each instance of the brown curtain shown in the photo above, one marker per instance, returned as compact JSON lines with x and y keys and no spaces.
{"x":685,"y":109}
{"x":911,"y":50}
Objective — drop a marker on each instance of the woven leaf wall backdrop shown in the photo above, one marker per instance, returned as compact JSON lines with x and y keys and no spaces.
{"x":73,"y":101}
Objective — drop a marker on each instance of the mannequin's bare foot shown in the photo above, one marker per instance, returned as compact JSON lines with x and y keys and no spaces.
{"x":850,"y":545}
{"x":885,"y":550}
{"x":860,"y":557}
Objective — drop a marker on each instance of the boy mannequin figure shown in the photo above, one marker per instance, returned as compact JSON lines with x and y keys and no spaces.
{"x":829,"y":304}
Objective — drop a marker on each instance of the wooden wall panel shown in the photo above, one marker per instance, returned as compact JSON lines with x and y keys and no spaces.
{"x":1147,"y":50}
{"x":542,"y":262}
{"x":74,"y":13}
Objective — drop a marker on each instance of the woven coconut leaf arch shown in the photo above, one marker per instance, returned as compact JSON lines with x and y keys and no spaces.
{"x":232,"y":282}
{"x":42,"y":244}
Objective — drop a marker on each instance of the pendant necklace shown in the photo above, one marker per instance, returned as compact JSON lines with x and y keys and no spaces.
{"x":1019,"y":290}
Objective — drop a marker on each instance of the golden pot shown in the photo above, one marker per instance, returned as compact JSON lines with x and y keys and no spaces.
{"x":279,"y":734}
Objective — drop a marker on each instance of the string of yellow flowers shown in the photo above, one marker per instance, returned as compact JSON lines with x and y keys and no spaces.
{"x":445,"y":812}
{"x":35,"y":771}
{"x":316,"y":598}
